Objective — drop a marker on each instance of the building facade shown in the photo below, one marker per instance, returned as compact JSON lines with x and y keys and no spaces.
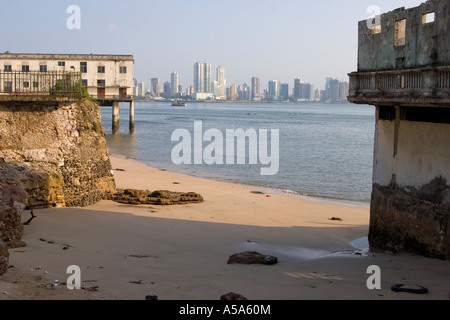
{"x":102,"y":75}
{"x":404,"y":71}
{"x":107,"y":78}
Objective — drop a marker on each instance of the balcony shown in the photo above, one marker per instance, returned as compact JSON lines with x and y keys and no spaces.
{"x":35,"y":85}
{"x":428,"y":86}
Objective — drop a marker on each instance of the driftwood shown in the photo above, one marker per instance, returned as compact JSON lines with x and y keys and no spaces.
{"x":29,"y":220}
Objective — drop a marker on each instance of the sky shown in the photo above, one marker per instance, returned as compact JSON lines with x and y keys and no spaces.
{"x":273,"y":40}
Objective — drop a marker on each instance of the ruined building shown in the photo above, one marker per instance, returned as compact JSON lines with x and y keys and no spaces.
{"x":404,"y":71}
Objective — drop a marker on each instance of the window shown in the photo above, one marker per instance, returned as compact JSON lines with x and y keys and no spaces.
{"x":35,"y":84}
{"x":61,"y":63}
{"x":376,"y":29}
{"x":83,"y":67}
{"x":122,"y":69}
{"x":400,"y":33}
{"x":43,"y":68}
{"x":7,"y":68}
{"x":101,"y":83}
{"x":26,"y":84}
{"x":84,"y":82}
{"x":25,"y":68}
{"x":375,"y":24}
{"x":101,"y":69}
{"x":428,"y":18}
{"x":8,"y":86}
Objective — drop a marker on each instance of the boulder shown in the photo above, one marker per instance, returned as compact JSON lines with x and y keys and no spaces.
{"x":158,"y":197}
{"x":252,"y":257}
{"x":232,"y":296}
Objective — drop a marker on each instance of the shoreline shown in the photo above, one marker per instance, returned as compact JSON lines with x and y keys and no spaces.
{"x":266,"y":189}
{"x":180,"y":252}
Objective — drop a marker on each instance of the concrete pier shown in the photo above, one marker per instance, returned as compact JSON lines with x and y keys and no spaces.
{"x":115,"y":117}
{"x":131,"y":120}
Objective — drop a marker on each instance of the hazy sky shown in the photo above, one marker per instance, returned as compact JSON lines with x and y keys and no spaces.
{"x":274,"y":40}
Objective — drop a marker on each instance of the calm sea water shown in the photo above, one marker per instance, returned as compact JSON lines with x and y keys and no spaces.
{"x":325,"y":149}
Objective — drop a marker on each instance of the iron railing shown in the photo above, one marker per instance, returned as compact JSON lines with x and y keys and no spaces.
{"x":428,"y":82}
{"x":40,"y":83}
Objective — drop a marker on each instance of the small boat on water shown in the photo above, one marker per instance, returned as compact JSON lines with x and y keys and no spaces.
{"x":179,"y":103}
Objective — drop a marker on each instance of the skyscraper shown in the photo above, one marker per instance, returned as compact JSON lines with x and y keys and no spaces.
{"x":155,"y":87}
{"x":274,"y":89}
{"x":256,"y":88}
{"x":221,"y":82}
{"x":173,"y":84}
{"x":167,"y":89}
{"x":207,"y":77}
{"x":199,"y":77}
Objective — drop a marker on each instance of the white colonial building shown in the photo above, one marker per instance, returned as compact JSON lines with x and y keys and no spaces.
{"x":108,"y":78}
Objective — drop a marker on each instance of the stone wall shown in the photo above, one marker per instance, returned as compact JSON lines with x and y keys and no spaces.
{"x":412,"y":220}
{"x":64,"y":144}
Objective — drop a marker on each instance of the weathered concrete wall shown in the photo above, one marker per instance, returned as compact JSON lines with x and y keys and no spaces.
{"x":410,"y":206}
{"x":423,"y":153}
{"x":64,"y":142}
{"x":413,"y":222}
{"x":378,"y":52}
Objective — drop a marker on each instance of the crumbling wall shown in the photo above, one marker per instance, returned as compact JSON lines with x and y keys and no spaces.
{"x":412,"y":220}
{"x":377,"y":51}
{"x":64,"y":143}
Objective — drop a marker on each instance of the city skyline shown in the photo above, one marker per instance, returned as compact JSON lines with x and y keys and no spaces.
{"x":282,"y":40}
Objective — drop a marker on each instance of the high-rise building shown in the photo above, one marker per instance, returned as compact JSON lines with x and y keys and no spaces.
{"x":256,"y":88}
{"x":167,"y":92}
{"x":207,"y":77}
{"x":232,"y":93}
{"x":221,"y":82}
{"x":173,"y":84}
{"x":199,"y":77}
{"x":333,"y":90}
{"x":284,"y":91}
{"x":274,"y":89}
{"x":156,"y":90}
{"x":343,"y":90}
{"x":141,"y":89}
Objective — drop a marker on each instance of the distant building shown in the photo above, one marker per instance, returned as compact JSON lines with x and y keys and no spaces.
{"x":244,"y":92}
{"x":256,"y":89}
{"x":141,"y":89}
{"x":303,"y":91}
{"x":232,"y":93}
{"x":173,"y":84}
{"x":343,"y":90}
{"x":167,"y":90}
{"x":199,"y":77}
{"x":207,"y":78}
{"x":221,"y":82}
{"x":284,"y":91}
{"x":274,"y":87}
{"x":155,"y":87}
{"x":333,"y":90}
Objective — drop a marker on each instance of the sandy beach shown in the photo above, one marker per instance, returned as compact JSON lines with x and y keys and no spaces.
{"x":180,"y":252}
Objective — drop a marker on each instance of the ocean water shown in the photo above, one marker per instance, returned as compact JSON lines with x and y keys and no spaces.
{"x":325,"y":150}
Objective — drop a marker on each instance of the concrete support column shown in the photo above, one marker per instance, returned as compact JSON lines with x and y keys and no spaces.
{"x":115,"y":117}
{"x":131,"y":116}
